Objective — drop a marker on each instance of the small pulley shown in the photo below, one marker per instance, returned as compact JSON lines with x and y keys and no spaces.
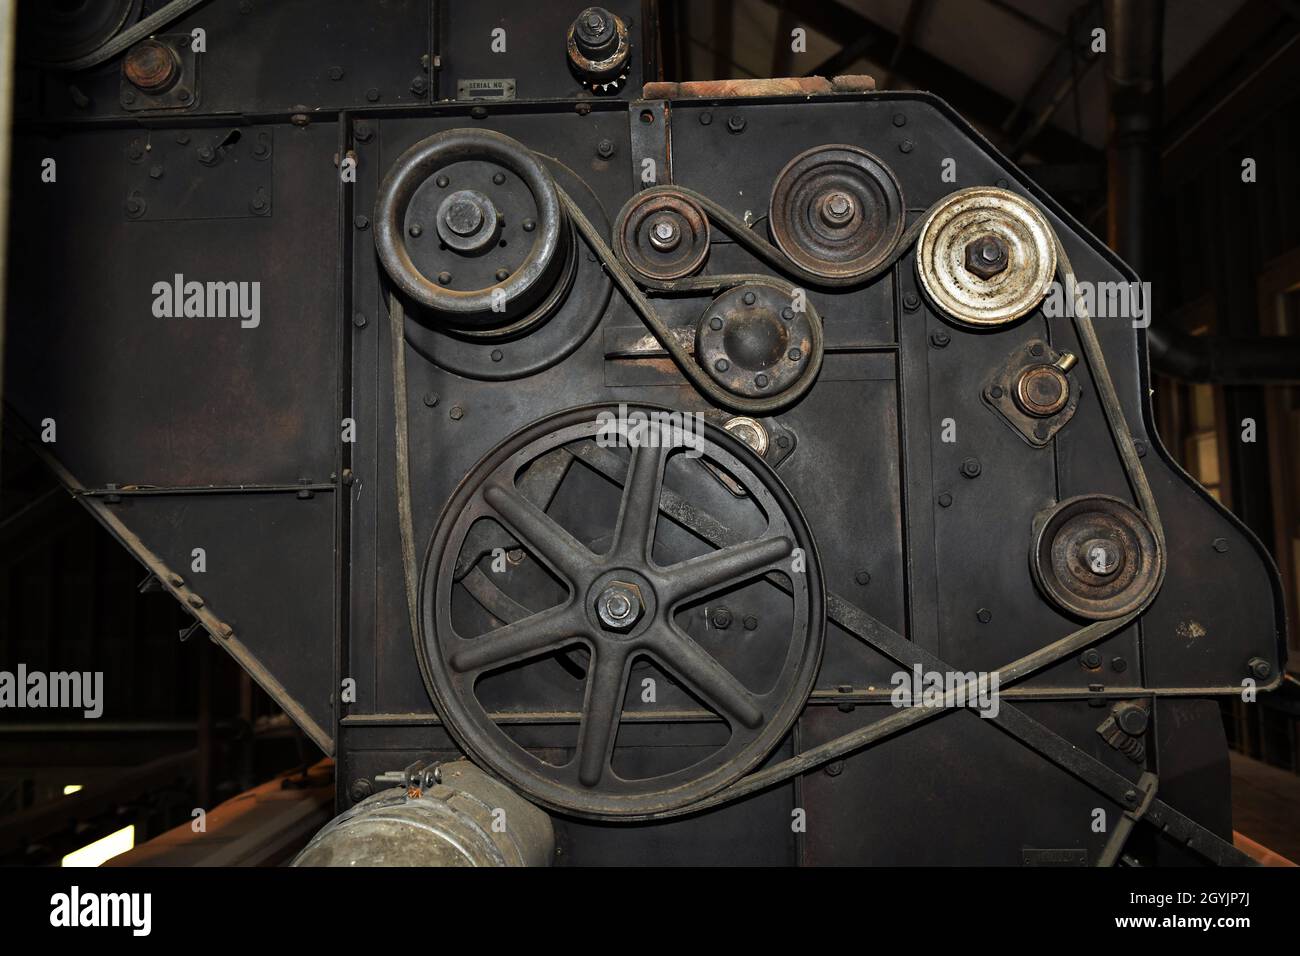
{"x":662,"y":235}
{"x":836,"y":211}
{"x":1095,"y":556}
{"x":753,"y":341}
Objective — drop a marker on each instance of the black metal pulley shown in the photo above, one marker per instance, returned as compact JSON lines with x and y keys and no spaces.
{"x":55,"y":32}
{"x":611,"y":594}
{"x":469,"y":226}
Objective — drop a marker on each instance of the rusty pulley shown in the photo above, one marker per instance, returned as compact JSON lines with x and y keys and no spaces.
{"x":836,"y":211}
{"x":662,"y":235}
{"x":1095,"y":556}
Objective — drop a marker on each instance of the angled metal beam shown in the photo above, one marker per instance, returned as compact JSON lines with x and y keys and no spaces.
{"x":911,"y":22}
{"x":979,"y":103}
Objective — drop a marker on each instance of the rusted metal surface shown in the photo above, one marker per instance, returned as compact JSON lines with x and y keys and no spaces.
{"x":1034,"y":392}
{"x":781,"y":86}
{"x":837,"y":211}
{"x":599,"y":44}
{"x":662,"y":235}
{"x":1096,"y":557}
{"x":752,"y":341}
{"x":151,"y":66}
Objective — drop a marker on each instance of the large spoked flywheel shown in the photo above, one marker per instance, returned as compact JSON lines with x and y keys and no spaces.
{"x":664,"y":666}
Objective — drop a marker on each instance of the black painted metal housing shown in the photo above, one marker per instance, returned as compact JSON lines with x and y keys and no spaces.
{"x":269,"y":440}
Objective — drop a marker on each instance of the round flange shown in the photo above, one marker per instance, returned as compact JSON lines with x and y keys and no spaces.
{"x":619,"y":606}
{"x":469,"y":225}
{"x":662,"y":235}
{"x":1042,"y":390}
{"x":986,"y":256}
{"x":1095,"y":556}
{"x":836,"y":211}
{"x":152,"y":66}
{"x":752,"y":342}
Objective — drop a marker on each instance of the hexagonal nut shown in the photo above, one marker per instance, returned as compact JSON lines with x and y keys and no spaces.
{"x":986,"y":256}
{"x":619,"y":606}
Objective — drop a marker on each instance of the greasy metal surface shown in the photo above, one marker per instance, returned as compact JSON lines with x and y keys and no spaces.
{"x":599,"y":49}
{"x":464,"y":819}
{"x":837,"y":211}
{"x":1095,"y":557}
{"x":997,"y":296}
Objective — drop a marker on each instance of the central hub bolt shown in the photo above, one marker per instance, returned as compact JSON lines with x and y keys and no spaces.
{"x":463,"y":217}
{"x":986,"y":256}
{"x":596,"y":33}
{"x":467,"y":220}
{"x":619,"y":606}
{"x":837,"y":208}
{"x":1101,"y":557}
{"x":664,"y":235}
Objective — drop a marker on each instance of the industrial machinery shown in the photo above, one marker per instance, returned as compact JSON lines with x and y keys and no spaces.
{"x":748,"y":472}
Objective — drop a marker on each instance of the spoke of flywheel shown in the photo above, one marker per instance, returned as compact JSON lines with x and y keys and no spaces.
{"x":539,"y":531}
{"x":639,"y":510}
{"x":718,"y":569}
{"x":533,"y":636}
{"x":717,"y":685}
{"x":600,"y":714}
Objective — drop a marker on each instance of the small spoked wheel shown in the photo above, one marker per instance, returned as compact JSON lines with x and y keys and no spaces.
{"x":561,"y":574}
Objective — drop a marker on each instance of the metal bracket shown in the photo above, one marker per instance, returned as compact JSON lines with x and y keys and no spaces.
{"x":182,"y":95}
{"x":999,"y":394}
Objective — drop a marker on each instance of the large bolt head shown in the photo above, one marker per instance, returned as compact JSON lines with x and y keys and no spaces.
{"x":467,"y":220}
{"x":664,"y":234}
{"x":595,"y":31}
{"x":837,"y":208}
{"x":619,"y":606}
{"x":986,"y":256}
{"x":1132,"y":718}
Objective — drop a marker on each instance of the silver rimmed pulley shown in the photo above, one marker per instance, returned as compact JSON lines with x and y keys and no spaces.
{"x":469,"y":226}
{"x":986,"y":256}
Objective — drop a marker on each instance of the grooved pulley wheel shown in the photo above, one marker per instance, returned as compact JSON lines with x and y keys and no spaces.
{"x":469,"y":226}
{"x":623,"y":603}
{"x":1095,"y":556}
